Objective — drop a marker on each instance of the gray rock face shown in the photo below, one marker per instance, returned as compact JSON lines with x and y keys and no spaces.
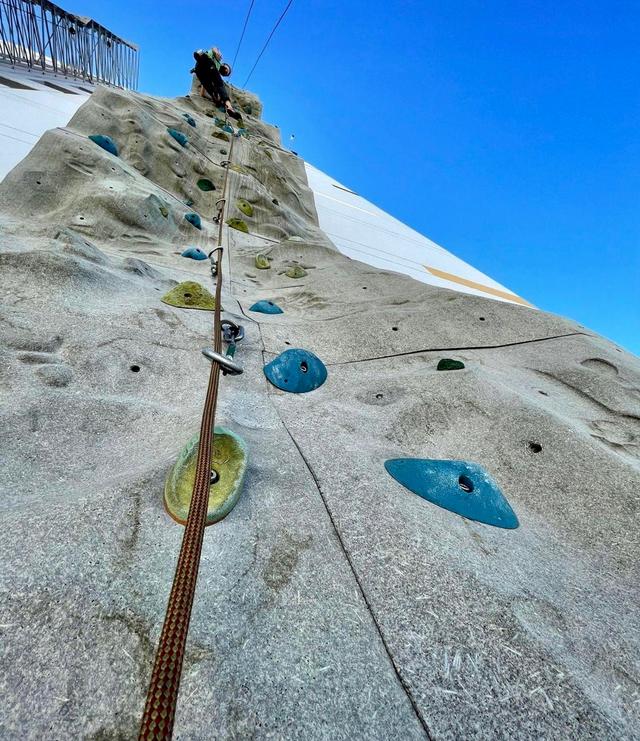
{"x":332,"y":603}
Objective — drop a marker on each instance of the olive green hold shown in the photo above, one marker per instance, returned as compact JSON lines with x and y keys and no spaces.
{"x":164,"y":211}
{"x":228,"y":460}
{"x":205,"y":184}
{"x":190,"y":295}
{"x":238,"y":224}
{"x":448,"y":364}
{"x":295,"y":271}
{"x":262,"y":262}
{"x":245,"y":207}
{"x":220,"y":135}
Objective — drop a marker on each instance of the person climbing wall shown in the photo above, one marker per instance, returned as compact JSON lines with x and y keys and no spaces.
{"x":209,"y":70}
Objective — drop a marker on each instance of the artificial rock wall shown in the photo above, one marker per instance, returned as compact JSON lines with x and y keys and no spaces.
{"x":332,"y":602}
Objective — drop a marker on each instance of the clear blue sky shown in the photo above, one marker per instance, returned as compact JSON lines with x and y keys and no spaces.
{"x":508,"y":132}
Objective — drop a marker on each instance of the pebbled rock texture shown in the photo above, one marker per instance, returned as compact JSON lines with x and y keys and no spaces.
{"x":332,"y":603}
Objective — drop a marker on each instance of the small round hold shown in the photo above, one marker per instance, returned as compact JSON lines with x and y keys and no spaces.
{"x":215,"y":477}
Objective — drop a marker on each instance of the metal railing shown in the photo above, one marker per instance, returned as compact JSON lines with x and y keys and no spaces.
{"x":43,"y":36}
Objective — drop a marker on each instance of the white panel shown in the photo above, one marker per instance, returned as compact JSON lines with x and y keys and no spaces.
{"x":365,"y":232}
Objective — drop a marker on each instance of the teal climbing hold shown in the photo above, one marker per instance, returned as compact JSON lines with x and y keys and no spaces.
{"x":206,"y":184}
{"x":228,"y":129}
{"x":179,"y":137}
{"x":297,"y":371}
{"x":189,"y":119}
{"x":266,"y":307}
{"x":458,"y":486}
{"x":194,"y":219}
{"x":448,"y":364}
{"x":195,"y":253}
{"x":241,"y":132}
{"x":106,"y":142}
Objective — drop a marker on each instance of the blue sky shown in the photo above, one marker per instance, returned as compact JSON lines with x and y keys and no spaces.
{"x":508,"y":132}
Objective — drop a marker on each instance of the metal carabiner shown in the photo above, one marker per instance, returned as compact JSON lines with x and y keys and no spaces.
{"x":227,"y":365}
{"x":231,"y":332}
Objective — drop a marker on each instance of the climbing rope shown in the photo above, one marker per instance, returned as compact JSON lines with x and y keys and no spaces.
{"x":160,"y":707}
{"x":244,"y":28}
{"x":266,"y":43}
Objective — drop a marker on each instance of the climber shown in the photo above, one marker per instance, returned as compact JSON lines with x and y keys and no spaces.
{"x":209,"y":70}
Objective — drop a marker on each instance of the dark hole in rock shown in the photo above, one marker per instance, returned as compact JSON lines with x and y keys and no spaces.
{"x":134,"y":368}
{"x":395,"y":329}
{"x":303,"y":366}
{"x":215,"y":477}
{"x":82,"y":218}
{"x":481,"y":318}
{"x":379,"y":396}
{"x":275,"y":202}
{"x":465,"y":483}
{"x":544,"y":393}
{"x":534,"y":447}
{"x":364,"y":288}
{"x":187,"y":295}
{"x":286,"y":343}
{"x":38,"y":182}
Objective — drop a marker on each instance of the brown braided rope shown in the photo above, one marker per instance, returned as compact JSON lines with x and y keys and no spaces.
{"x":160,"y":708}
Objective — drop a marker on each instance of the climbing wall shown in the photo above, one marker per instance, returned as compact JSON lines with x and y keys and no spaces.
{"x":333,"y":602}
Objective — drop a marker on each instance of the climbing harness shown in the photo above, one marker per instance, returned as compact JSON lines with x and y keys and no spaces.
{"x":159,"y":711}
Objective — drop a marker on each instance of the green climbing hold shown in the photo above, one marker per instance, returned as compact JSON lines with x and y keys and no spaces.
{"x":295,"y":271}
{"x":448,"y":364}
{"x":246,"y":107}
{"x":221,"y":136}
{"x":224,"y":151}
{"x":190,"y":295}
{"x":228,"y":464}
{"x":164,"y":211}
{"x":206,"y":184}
{"x":262,"y":262}
{"x":220,"y":122}
{"x":245,"y":207}
{"x":189,"y":202}
{"x":238,"y":224}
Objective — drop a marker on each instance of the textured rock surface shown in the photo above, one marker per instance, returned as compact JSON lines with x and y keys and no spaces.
{"x":332,"y":603}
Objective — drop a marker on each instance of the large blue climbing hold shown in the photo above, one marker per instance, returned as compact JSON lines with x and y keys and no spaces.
{"x":228,"y":129}
{"x":194,"y":219}
{"x":266,"y":307}
{"x":459,"y":486}
{"x":189,"y":119}
{"x":297,"y":371}
{"x":106,"y":142}
{"x":195,"y":253}
{"x":179,"y":137}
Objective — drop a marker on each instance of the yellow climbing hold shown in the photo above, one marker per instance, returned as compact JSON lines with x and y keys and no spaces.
{"x":164,"y":211}
{"x":262,"y":262}
{"x":295,"y":271}
{"x":190,"y":295}
{"x":228,"y":463}
{"x":238,"y":224}
{"x":245,"y":207}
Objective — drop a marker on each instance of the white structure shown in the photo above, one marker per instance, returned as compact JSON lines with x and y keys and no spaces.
{"x":31,"y":103}
{"x":364,"y":232}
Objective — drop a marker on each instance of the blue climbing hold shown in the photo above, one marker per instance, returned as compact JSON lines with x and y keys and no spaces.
{"x":195,"y":253}
{"x":106,"y":142}
{"x":179,"y":137}
{"x":228,"y":129}
{"x":189,"y":119}
{"x":459,"y":486}
{"x":266,"y":307}
{"x":194,"y":219}
{"x":241,"y":132}
{"x":297,"y":371}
